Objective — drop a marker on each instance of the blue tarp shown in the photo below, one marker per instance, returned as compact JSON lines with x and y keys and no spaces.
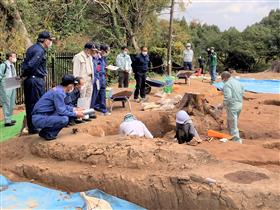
{"x":256,"y":86}
{"x":25,"y":195}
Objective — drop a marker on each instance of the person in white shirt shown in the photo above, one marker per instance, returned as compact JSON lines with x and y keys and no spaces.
{"x":133,"y":127}
{"x":123,"y":61}
{"x":8,"y":97}
{"x":188,"y":57}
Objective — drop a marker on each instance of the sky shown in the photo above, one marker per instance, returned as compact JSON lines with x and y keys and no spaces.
{"x":225,"y":13}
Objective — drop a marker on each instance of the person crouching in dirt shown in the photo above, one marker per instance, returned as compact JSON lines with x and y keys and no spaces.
{"x":133,"y":127}
{"x":51,"y":114}
{"x":185,"y":130}
{"x":233,"y":92}
{"x":72,"y":98}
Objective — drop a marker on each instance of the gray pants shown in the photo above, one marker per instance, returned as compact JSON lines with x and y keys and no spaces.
{"x":7,"y":99}
{"x":123,"y":79}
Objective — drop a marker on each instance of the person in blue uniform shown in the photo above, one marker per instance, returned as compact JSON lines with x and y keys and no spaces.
{"x":140,"y":67}
{"x":34,"y":71}
{"x":72,"y":98}
{"x":50,"y":113}
{"x":98,"y":100}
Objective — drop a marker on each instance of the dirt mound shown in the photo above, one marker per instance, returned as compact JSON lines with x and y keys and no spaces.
{"x":156,"y":174}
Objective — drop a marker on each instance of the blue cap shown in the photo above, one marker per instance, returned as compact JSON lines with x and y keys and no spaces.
{"x":45,"y":35}
{"x":89,"y":45}
{"x":68,"y":80}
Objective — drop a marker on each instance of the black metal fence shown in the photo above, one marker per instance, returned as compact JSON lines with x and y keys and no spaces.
{"x":58,"y":65}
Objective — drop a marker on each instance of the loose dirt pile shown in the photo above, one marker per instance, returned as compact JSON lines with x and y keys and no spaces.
{"x":159,"y":173}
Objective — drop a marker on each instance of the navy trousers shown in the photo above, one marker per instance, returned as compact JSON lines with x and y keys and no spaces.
{"x":50,"y":125}
{"x":140,"y":85}
{"x":34,"y":88}
{"x":187,"y":65}
{"x":98,"y":99}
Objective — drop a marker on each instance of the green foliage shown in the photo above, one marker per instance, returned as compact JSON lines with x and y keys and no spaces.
{"x":135,"y":23}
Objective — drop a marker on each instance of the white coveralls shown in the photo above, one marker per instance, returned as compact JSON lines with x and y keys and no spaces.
{"x":135,"y":128}
{"x":233,"y":99}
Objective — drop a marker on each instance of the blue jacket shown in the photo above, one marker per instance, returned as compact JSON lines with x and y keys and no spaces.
{"x":52,"y":103}
{"x":71,"y":99}
{"x":99,"y":66}
{"x":141,"y":63}
{"x":34,"y":63}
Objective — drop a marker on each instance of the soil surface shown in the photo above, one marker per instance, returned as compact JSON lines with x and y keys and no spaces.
{"x":159,"y":173}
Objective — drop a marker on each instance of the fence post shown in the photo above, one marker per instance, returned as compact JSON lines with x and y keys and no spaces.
{"x":53,"y":70}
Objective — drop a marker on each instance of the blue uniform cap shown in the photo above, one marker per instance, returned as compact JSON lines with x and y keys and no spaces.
{"x":45,"y":35}
{"x":90,"y":46}
{"x":68,"y":80}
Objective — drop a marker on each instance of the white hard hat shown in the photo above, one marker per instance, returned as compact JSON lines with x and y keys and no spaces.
{"x":182,"y":116}
{"x":188,"y":45}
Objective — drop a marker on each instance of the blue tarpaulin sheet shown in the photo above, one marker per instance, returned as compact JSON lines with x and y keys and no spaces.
{"x":25,"y":195}
{"x":256,"y":86}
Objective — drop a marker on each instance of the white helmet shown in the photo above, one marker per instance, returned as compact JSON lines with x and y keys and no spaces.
{"x":183,"y":117}
{"x":188,"y":45}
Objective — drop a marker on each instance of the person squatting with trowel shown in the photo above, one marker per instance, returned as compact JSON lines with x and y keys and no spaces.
{"x":185,"y":130}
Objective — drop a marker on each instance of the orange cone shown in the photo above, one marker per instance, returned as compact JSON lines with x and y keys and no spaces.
{"x":216,"y":134}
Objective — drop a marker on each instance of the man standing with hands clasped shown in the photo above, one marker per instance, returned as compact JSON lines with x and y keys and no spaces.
{"x":34,"y":70}
{"x":124,"y":62}
{"x":8,"y":96}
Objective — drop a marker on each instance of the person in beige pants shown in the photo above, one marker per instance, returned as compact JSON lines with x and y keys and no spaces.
{"x":83,"y":67}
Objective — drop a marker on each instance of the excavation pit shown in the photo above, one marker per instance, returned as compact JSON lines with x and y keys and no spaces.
{"x":156,"y":174}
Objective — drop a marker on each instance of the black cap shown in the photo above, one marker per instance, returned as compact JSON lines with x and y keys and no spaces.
{"x":68,"y":80}
{"x":104,"y":47}
{"x":89,"y":45}
{"x":45,"y":35}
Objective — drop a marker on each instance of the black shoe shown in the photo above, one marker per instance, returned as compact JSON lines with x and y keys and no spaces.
{"x":71,"y":123}
{"x":78,"y":121}
{"x":33,"y":132}
{"x":92,"y":116}
{"x":9,"y":124}
{"x":13,"y":121}
{"x":87,"y":120}
{"x":46,"y":137}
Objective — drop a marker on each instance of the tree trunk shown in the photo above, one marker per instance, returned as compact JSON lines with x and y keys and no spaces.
{"x":18,"y":25}
{"x":193,"y":101}
{"x":197,"y":101}
{"x":275,"y":67}
{"x":134,"y":43}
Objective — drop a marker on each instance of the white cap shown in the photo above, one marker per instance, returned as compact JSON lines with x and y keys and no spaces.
{"x":188,"y":45}
{"x":183,"y":117}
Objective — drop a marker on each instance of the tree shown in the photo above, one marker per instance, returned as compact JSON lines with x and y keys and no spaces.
{"x":126,"y":18}
{"x":14,"y":21}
